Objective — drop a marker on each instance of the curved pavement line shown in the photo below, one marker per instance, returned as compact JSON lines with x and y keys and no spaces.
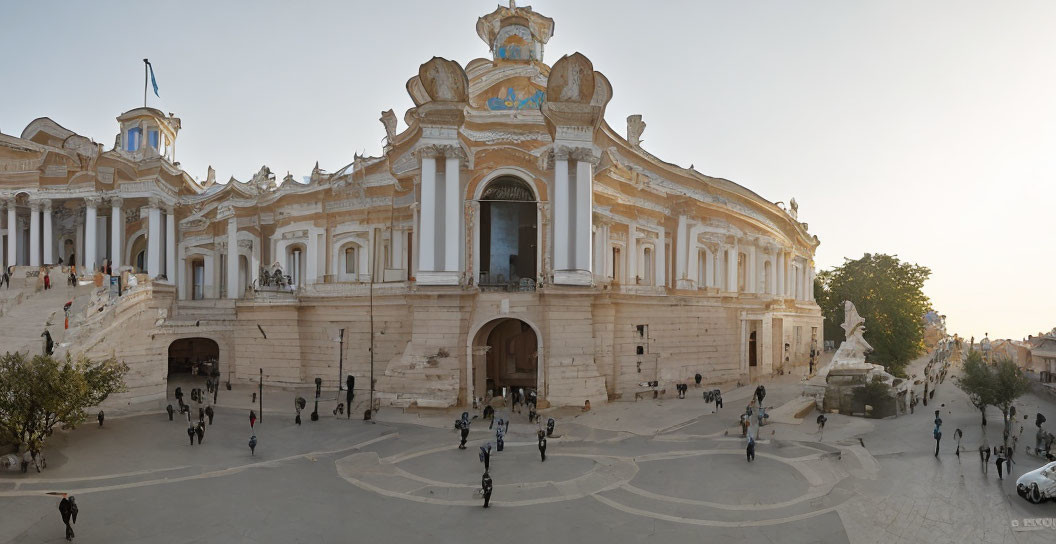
{"x":19,"y":483}
{"x":810,"y":495}
{"x":710,"y":522}
{"x":597,"y":469}
{"x":211,"y":474}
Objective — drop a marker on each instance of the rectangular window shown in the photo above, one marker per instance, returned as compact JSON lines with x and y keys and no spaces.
{"x":134,"y":136}
{"x":153,"y":137}
{"x":350,"y":261}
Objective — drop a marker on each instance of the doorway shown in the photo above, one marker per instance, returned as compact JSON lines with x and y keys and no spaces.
{"x":505,"y":355}
{"x":193,"y":356}
{"x":508,"y":236}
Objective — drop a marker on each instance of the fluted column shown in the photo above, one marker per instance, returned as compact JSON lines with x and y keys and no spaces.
{"x":90,"y":236}
{"x":661,"y":260}
{"x":170,"y":245}
{"x":584,"y":213}
{"x":452,"y":213}
{"x":116,"y":225}
{"x":232,"y":258}
{"x":561,"y":205}
{"x":49,"y":242}
{"x":153,"y":238}
{"x":34,"y":233}
{"x":427,"y":228}
{"x":780,"y":273}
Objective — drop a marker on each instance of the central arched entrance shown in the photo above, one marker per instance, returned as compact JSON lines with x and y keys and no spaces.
{"x":505,"y":354}
{"x":508,"y":235}
{"x":193,"y":356}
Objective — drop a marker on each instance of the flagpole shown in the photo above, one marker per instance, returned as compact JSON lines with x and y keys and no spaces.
{"x":145,"y":64}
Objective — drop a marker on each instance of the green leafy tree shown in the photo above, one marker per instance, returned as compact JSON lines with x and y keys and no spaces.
{"x":1009,"y":383}
{"x":889,"y":294}
{"x":38,"y":393}
{"x":976,"y":380}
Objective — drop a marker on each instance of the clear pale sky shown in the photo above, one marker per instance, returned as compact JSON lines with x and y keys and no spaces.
{"x":923,"y":129}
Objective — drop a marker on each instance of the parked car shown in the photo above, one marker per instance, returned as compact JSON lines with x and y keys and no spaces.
{"x":1038,"y":484}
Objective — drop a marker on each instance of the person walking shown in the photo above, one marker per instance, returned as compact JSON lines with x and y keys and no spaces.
{"x":252,"y":418}
{"x":209,"y":414}
{"x":199,"y":431}
{"x":6,"y":279}
{"x":68,"y":510}
{"x":253,"y":445}
{"x":486,"y":487}
{"x":542,"y":446}
{"x":485,"y":456}
{"x":957,"y":434}
{"x":47,"y":280}
{"x":463,"y":429}
{"x":751,"y":449}
{"x":1000,"y":453}
{"x":937,"y":432}
{"x":984,"y":457}
{"x":190,"y":433}
{"x":718,"y":401}
{"x":101,"y":416}
{"x":49,"y":344}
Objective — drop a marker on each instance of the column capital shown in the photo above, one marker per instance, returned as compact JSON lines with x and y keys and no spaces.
{"x":92,"y":201}
{"x":116,"y":202}
{"x":46,"y":205}
{"x":34,"y":204}
{"x":154,"y":202}
{"x":168,"y":209}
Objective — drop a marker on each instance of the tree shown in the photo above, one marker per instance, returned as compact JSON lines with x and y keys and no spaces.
{"x":38,"y":393}
{"x":1009,"y":383}
{"x":976,"y":381}
{"x":889,"y":294}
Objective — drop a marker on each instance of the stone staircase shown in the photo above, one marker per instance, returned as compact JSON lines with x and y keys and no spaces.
{"x":27,"y":312}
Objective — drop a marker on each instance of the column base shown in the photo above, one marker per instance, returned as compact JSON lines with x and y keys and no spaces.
{"x":438,"y":278}
{"x":573,"y":277}
{"x":686,"y":284}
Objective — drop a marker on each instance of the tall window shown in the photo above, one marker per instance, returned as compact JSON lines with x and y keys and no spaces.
{"x":152,"y":137}
{"x":648,"y":266}
{"x":615,"y":270}
{"x":350,"y":260}
{"x":135,"y":137}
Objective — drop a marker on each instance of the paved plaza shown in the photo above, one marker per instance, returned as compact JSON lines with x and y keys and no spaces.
{"x":664,"y":470}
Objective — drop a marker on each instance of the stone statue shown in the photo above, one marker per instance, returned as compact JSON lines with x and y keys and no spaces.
{"x":264,"y":180}
{"x":635,"y":128}
{"x":210,"y":177}
{"x":795,"y":211}
{"x":388,"y":119}
{"x":854,"y":327}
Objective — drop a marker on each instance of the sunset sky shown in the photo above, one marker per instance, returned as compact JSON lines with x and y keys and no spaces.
{"x":922,"y":129}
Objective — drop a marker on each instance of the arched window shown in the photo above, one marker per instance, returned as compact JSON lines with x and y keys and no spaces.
{"x":350,"y":260}
{"x":135,"y":139}
{"x":508,"y":233}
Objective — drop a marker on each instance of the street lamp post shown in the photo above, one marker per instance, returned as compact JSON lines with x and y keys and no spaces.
{"x":260,"y":394}
{"x":318,"y":389}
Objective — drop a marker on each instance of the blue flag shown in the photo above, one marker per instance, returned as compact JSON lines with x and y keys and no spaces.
{"x":152,"y":80}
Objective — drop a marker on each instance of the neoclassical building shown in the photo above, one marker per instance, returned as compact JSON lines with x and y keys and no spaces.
{"x":507,"y":236}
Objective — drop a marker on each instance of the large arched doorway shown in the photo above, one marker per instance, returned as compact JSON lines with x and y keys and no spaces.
{"x":193,"y":356}
{"x":505,"y":355}
{"x":508,"y":234}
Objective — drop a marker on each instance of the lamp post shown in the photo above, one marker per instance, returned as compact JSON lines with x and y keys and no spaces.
{"x":340,"y":361}
{"x":318,"y":389}
{"x":260,"y":394}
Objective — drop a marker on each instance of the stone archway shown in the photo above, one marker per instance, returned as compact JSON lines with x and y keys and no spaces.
{"x":505,"y":353}
{"x":186,"y":354}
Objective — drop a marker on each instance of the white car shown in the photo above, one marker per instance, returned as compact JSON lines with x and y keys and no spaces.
{"x":1038,"y":484}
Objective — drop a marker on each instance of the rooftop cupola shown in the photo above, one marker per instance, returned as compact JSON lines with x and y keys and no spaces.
{"x":147,"y":132}
{"x":515,"y":33}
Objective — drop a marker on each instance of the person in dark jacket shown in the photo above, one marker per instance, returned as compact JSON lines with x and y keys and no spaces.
{"x":751,"y":449}
{"x":190,"y":433}
{"x":463,"y":429}
{"x":486,"y":487}
{"x":542,"y":446}
{"x":485,"y":456}
{"x":68,"y":509}
{"x":209,"y":414}
{"x":199,"y":430}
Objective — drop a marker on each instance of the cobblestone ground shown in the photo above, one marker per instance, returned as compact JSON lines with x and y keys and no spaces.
{"x":664,"y":470}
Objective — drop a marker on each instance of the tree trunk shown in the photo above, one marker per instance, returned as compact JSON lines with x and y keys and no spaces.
{"x":983,"y":410}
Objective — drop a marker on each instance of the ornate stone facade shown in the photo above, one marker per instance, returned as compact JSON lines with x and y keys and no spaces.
{"x":590,"y":267}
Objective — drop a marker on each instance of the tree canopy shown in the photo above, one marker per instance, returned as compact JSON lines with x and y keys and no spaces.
{"x":998,"y":385}
{"x":889,"y":294}
{"x":38,"y":393}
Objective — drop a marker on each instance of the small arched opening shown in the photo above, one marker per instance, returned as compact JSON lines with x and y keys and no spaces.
{"x":296,"y":262}
{"x":505,"y":355}
{"x":193,"y":356}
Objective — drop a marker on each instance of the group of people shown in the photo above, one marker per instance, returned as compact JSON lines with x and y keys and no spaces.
{"x":501,"y":426}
